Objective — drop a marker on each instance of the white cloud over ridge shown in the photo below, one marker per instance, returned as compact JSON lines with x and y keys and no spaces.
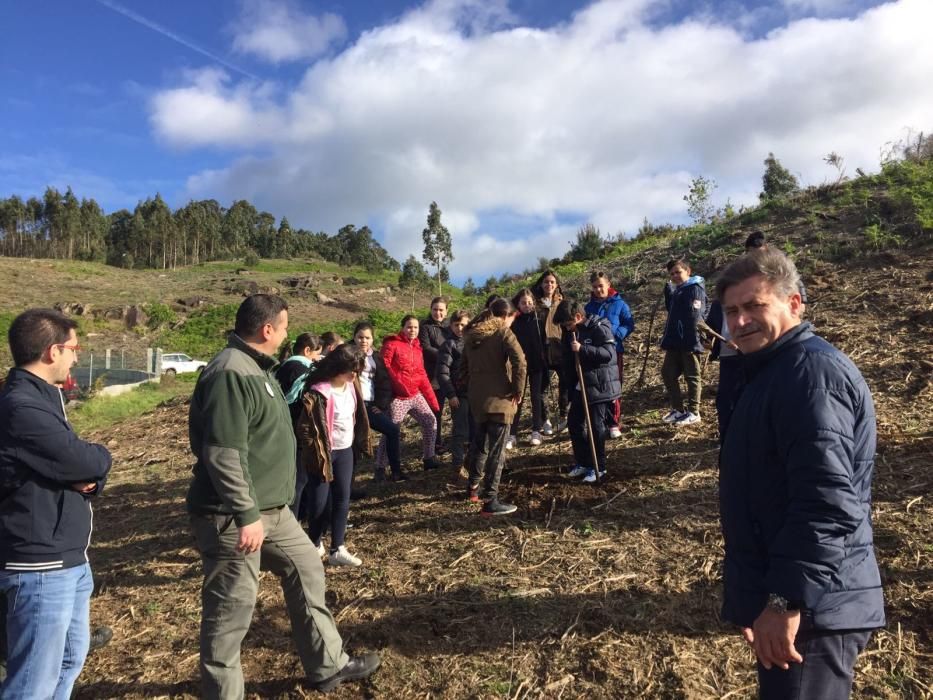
{"x":278,"y":30}
{"x":605,"y":116}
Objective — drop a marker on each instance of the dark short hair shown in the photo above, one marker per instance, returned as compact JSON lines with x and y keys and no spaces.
{"x":329,"y":338}
{"x":777,"y":269}
{"x":346,"y":357}
{"x":459,"y":315}
{"x":305,"y":340}
{"x":439,"y":300}
{"x":537,"y":288}
{"x":491,"y":298}
{"x":567,"y":310}
{"x":756,"y":239}
{"x":677,"y":261}
{"x":598,"y":275}
{"x":34,"y":330}
{"x":525,"y":292}
{"x":406,"y":318}
{"x":256,"y":311}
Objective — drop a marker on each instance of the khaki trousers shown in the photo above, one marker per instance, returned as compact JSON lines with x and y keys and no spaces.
{"x":228,"y":596}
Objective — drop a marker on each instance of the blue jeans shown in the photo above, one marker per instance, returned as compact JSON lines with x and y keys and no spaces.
{"x":336,"y":495}
{"x":48,"y":631}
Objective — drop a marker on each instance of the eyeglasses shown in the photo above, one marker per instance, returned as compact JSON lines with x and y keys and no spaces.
{"x":73,"y":348}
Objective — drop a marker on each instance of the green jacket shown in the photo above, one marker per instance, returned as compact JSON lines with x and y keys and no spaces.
{"x":241,"y":435}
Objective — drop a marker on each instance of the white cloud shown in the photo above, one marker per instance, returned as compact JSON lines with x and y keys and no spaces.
{"x":277,"y":31}
{"x":606,"y":116}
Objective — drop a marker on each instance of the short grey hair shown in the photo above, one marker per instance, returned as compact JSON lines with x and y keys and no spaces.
{"x":772,"y":264}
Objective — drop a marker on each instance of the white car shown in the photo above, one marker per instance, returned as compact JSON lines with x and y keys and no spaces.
{"x":179,"y":362}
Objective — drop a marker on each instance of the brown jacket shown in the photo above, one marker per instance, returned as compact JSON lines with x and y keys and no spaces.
{"x":314,"y":435}
{"x":493,"y":367}
{"x":551,"y":332}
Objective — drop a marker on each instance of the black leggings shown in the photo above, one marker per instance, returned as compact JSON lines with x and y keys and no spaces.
{"x":338,"y":492}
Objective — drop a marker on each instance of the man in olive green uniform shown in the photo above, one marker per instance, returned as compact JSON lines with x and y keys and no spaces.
{"x":241,"y":434}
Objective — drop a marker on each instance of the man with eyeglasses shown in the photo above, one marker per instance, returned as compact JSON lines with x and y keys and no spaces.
{"x":47,"y":478}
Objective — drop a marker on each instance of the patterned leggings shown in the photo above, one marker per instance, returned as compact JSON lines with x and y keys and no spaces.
{"x":418,"y":406}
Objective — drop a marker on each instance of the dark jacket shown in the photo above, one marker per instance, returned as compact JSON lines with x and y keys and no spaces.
{"x":614,"y":309}
{"x":686,"y":305}
{"x":44,"y":523}
{"x":448,"y":369}
{"x":432,"y":335}
{"x":405,"y":365}
{"x":795,"y":488}
{"x":597,"y":360}
{"x":527,"y":330}
{"x":493,"y":368}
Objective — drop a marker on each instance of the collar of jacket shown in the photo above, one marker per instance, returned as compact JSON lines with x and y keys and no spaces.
{"x":18,"y":375}
{"x":266,"y":363}
{"x":754,"y":362}
{"x":402,"y":338}
{"x":612,"y":294}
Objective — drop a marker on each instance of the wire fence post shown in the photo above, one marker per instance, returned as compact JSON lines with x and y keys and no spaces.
{"x":90,"y":376}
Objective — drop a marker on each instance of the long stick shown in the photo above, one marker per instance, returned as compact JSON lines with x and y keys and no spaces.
{"x":586,"y":411}
{"x":703,"y":326}
{"x":644,"y":364}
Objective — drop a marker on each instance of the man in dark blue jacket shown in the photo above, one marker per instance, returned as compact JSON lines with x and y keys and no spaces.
{"x":47,"y":478}
{"x":800,"y":575}
{"x":588,"y":339}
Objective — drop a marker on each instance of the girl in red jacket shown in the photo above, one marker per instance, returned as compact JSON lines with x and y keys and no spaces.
{"x":411,"y":387}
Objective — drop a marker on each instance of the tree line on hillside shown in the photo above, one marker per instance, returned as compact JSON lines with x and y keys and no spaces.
{"x":153,"y":236}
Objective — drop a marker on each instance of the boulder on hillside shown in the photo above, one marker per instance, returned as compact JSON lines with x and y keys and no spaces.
{"x":297,"y":282}
{"x":353,"y":281}
{"x":192,"y":302}
{"x":324,"y":299}
{"x":114,"y":313}
{"x":73,"y":308}
{"x":135,"y":316}
{"x":243,"y":287}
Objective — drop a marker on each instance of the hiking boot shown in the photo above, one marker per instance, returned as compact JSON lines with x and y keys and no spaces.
{"x":379,"y":475}
{"x":577,"y":471}
{"x":673,"y":416}
{"x":510,"y":442}
{"x":535,"y":438}
{"x":100,"y":637}
{"x":615,"y":432}
{"x":431,"y":463}
{"x":357,"y":668}
{"x":343,"y":558}
{"x":398,"y":476}
{"x":473,"y":494}
{"x":496,"y":507}
{"x":688,"y":418}
{"x":547,"y":429}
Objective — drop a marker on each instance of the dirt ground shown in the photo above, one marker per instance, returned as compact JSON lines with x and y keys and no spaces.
{"x":610,"y":591}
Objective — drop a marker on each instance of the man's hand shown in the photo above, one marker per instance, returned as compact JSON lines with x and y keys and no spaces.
{"x":251,"y":537}
{"x":772,"y":636}
{"x":454,"y":403}
{"x":85,"y":487}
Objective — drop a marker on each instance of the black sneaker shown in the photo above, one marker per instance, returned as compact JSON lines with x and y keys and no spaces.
{"x":357,"y":494}
{"x":431,"y":463}
{"x":496,"y":507}
{"x":398,"y":476}
{"x":357,"y":668}
{"x":100,"y":637}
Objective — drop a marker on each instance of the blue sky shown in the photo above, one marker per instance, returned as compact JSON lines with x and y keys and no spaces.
{"x":522,"y":119}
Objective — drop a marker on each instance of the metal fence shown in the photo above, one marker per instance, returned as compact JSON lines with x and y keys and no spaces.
{"x":109,"y":367}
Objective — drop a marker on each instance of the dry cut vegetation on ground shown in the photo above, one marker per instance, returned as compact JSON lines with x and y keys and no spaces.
{"x":605,"y":592}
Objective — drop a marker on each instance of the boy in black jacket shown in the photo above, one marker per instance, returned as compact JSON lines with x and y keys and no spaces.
{"x":590,"y":339}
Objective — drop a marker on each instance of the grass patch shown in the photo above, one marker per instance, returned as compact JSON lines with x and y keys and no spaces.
{"x":102,"y":411}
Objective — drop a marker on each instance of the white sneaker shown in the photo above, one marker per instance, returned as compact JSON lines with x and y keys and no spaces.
{"x":321,"y":552}
{"x":577,"y":472}
{"x":687,"y":418}
{"x":614,"y":432}
{"x":510,"y":443}
{"x":343,"y":558}
{"x":673,"y":416}
{"x":547,"y":428}
{"x":536,"y":438}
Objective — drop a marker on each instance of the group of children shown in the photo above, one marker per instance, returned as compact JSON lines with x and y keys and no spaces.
{"x":481,"y":367}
